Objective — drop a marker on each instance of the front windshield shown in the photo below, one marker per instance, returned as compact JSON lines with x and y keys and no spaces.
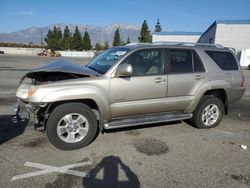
{"x":105,"y":60}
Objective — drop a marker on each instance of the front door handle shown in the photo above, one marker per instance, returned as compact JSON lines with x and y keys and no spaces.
{"x":160,"y":80}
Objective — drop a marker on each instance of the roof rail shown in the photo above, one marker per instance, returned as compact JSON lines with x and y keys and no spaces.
{"x":136,"y":43}
{"x":165,"y":42}
{"x":208,"y":45}
{"x":188,"y":44}
{"x":232,"y":49}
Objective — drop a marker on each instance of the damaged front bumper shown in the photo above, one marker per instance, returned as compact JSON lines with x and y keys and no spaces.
{"x":16,"y":109}
{"x":19,"y":112}
{"x":32,"y":111}
{"x":26,"y":107}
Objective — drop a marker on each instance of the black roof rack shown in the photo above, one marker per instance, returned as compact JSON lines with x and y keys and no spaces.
{"x":188,"y":44}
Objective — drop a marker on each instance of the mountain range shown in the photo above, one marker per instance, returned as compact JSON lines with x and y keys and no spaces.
{"x":97,"y":33}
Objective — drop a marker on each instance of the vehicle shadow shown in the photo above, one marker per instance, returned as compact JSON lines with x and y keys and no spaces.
{"x":240,"y":109}
{"x":10,"y":129}
{"x":110,"y":168}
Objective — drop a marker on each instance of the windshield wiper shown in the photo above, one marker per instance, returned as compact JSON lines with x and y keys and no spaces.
{"x":94,"y":69}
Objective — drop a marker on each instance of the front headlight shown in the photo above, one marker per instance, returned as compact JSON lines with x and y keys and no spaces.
{"x":31,"y":91}
{"x":25,"y":91}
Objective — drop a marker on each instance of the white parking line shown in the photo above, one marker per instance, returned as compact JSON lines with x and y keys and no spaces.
{"x":48,"y":169}
{"x":6,"y":92}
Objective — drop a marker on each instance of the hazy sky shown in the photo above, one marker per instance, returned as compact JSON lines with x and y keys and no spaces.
{"x":174,"y":15}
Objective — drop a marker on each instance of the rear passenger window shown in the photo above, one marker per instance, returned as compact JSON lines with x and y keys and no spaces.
{"x":180,"y":61}
{"x":198,"y":65}
{"x":225,"y":60}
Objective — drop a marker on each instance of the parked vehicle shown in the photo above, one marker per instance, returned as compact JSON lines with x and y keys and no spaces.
{"x":1,"y":52}
{"x":42,"y":53}
{"x":129,"y":86}
{"x":245,"y":58}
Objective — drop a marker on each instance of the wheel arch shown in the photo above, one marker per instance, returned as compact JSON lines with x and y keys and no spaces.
{"x":220,"y":94}
{"x":45,"y":112}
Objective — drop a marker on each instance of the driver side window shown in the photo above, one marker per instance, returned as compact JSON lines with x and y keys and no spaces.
{"x":146,"y":62}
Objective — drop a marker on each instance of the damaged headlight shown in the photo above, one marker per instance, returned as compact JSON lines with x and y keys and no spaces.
{"x":25,"y":91}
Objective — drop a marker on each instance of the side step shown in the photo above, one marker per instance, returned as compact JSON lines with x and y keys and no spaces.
{"x":146,"y":119}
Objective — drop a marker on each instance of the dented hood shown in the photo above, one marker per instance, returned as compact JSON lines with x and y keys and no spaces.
{"x":62,"y":66}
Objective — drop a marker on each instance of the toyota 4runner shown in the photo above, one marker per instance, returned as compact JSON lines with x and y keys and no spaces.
{"x":131,"y":85}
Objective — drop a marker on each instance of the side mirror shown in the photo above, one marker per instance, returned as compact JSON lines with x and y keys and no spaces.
{"x":124,"y":70}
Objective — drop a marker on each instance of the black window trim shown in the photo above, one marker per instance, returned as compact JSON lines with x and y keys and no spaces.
{"x":192,"y":58}
{"x":197,"y":55}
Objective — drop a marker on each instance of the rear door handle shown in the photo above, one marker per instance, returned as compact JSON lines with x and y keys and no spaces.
{"x":160,"y":80}
{"x":199,"y":77}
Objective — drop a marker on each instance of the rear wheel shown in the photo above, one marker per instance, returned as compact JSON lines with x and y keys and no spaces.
{"x":208,"y":112}
{"x":71,"y":126}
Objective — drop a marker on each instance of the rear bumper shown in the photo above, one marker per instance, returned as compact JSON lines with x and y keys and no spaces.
{"x":235,"y":94}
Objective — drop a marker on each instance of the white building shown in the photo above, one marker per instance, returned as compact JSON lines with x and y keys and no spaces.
{"x":178,"y":36}
{"x":229,"y":33}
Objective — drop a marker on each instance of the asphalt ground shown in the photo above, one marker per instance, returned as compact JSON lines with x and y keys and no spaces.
{"x":161,"y":155}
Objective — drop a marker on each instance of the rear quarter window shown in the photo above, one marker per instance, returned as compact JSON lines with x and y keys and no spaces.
{"x":225,"y":60}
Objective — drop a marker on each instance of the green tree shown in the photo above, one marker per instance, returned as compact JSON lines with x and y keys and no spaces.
{"x":98,"y":47}
{"x":106,"y":45}
{"x":128,"y":40}
{"x":54,"y":39}
{"x":48,"y":38}
{"x":145,"y":33}
{"x":117,"y":38}
{"x":86,"y":41}
{"x":58,"y":35}
{"x":66,"y":41}
{"x":158,"y":26}
{"x":77,"y":40}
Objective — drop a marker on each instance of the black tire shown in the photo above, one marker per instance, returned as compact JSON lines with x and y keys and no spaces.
{"x":61,"y":111}
{"x":207,"y":101}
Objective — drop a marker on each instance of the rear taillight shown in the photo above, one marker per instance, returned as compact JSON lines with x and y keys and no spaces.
{"x":242,"y":81}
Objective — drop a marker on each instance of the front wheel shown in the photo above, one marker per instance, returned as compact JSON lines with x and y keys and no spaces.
{"x":208,"y":113}
{"x":71,"y":126}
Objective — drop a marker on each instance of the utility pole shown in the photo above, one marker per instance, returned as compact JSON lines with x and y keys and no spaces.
{"x":102,"y":41}
{"x":41,"y":38}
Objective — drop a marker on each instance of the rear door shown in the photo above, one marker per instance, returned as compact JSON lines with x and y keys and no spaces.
{"x":186,"y":73}
{"x":145,"y":91}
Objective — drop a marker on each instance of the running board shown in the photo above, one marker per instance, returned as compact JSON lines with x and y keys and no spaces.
{"x":145,"y":119}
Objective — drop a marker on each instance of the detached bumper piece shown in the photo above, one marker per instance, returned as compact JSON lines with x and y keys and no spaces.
{"x":27,"y":111}
{"x":20,"y":112}
{"x":15,"y":112}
